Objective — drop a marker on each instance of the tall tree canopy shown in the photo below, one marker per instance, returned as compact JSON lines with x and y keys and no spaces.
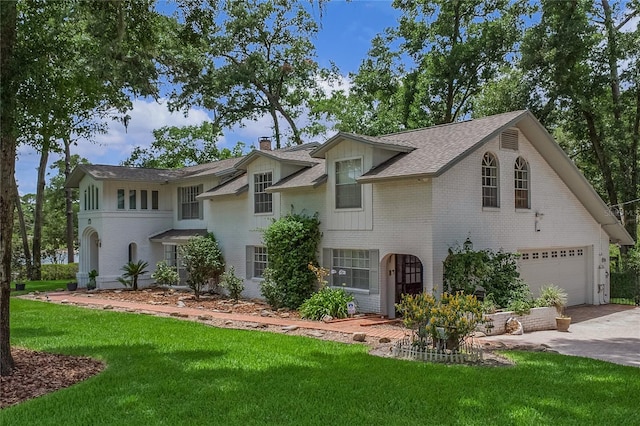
{"x":176,"y":147}
{"x":428,"y":69}
{"x":61,"y":62}
{"x":246,"y":58}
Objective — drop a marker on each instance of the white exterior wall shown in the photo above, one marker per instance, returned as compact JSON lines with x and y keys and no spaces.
{"x":458,"y":211}
{"x":115,"y":229}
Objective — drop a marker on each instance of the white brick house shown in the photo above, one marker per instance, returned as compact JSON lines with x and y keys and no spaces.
{"x":390,"y":207}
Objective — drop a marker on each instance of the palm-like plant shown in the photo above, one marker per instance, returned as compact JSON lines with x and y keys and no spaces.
{"x":132,"y":270}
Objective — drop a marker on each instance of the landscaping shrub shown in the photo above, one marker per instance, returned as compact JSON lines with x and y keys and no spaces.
{"x":165,"y":274}
{"x":552,"y":296}
{"x":446,"y":321}
{"x":292,"y":243}
{"x":232,"y":283}
{"x":327,"y":301}
{"x":132,"y":271}
{"x":497,"y":273}
{"x":59,"y":271}
{"x":203,"y":262}
{"x":270,"y":290}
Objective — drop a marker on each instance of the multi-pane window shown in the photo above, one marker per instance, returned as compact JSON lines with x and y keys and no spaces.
{"x":154,"y":200}
{"x":189,"y":207}
{"x":91,"y":198}
{"x":521,"y":182}
{"x":143,"y":199}
{"x":260,"y":261}
{"x":262,"y":200}
{"x":489,"y":181}
{"x":348,"y":190}
{"x":350,"y":268}
{"x":132,"y":199}
{"x":120,"y":199}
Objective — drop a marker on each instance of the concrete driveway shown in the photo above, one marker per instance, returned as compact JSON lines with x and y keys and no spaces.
{"x":607,"y":332}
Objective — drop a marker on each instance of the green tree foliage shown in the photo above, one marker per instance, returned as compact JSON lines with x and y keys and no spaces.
{"x":203,"y":262}
{"x":245,"y":59}
{"x":579,"y":70}
{"x":131,"y":272}
{"x":466,"y":270}
{"x":428,"y":70}
{"x":176,"y":147}
{"x":292,"y":243}
{"x":61,"y":62}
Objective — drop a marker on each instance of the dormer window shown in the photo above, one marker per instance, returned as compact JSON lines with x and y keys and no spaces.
{"x":489,"y":180}
{"x":262,"y":200}
{"x":521,"y":184}
{"x":348,"y":190}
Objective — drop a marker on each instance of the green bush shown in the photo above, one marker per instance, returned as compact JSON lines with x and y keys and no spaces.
{"x":327,"y":301}
{"x":131,"y":272}
{"x":520,"y":307}
{"x":497,"y":273}
{"x":232,"y":283}
{"x":552,"y":296}
{"x":292,"y":243}
{"x":59,"y":271}
{"x":447,"y":322}
{"x":165,"y":274}
{"x":270,"y":290}
{"x":203,"y":262}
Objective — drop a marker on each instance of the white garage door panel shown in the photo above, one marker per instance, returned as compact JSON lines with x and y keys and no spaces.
{"x":567,"y":268}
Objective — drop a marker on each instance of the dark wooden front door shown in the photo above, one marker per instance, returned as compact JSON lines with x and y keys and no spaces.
{"x":408,"y":275}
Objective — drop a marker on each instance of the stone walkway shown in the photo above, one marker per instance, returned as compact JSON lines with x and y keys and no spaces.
{"x":359,"y":325}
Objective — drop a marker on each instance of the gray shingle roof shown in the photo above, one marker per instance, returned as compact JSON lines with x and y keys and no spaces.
{"x":174,"y":235}
{"x":235,"y":186}
{"x":309,"y":177}
{"x":438,"y":148}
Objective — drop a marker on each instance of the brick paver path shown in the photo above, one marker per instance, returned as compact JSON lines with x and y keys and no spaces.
{"x":361,"y":325}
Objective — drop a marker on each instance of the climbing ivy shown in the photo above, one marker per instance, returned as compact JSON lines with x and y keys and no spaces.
{"x":292,"y":243}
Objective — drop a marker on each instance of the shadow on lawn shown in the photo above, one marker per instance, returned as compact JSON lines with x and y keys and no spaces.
{"x":148,"y":384}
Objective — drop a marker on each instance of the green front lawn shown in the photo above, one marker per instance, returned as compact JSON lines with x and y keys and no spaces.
{"x":173,"y":372}
{"x":41,"y":286}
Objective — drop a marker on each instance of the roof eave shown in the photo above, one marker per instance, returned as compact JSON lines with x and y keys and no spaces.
{"x":320,"y":151}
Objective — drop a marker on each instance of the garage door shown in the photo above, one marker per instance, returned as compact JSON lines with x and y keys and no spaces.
{"x":566,"y":267}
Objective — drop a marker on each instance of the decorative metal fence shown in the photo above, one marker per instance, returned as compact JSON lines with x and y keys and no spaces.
{"x":625,"y":288}
{"x":466,"y":352}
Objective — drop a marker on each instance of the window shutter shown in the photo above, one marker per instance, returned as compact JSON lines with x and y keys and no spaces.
{"x":374,"y":286}
{"x":326,"y":263}
{"x":249,"y":260}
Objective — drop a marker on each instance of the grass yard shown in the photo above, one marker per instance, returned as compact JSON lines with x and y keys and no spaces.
{"x":41,"y":286}
{"x":173,"y":372}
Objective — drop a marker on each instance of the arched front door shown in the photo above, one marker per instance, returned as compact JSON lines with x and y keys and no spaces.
{"x":408,"y":275}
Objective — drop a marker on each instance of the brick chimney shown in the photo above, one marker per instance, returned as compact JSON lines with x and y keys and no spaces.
{"x":265,"y":143}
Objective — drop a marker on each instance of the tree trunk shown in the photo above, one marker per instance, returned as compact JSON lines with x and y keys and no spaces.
{"x":23,"y":232}
{"x":37,"y":215}
{"x":8,"y":14}
{"x":68,"y":192}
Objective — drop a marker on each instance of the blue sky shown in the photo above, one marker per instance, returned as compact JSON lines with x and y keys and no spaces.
{"x":344,"y":38}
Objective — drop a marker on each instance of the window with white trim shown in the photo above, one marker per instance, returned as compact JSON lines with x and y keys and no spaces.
{"x":489,"y":180}
{"x":350,"y":268}
{"x":348,"y":190}
{"x":189,"y":207}
{"x":143,"y":199}
{"x":120,"y":199}
{"x":262,"y":200}
{"x":260,"y":261}
{"x":521,"y":183}
{"x":257,"y":261}
{"x":132,"y":199}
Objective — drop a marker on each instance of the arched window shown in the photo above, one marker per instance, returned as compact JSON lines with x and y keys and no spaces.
{"x":490,"y":181}
{"x":133,"y":255}
{"x":521,"y":184}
